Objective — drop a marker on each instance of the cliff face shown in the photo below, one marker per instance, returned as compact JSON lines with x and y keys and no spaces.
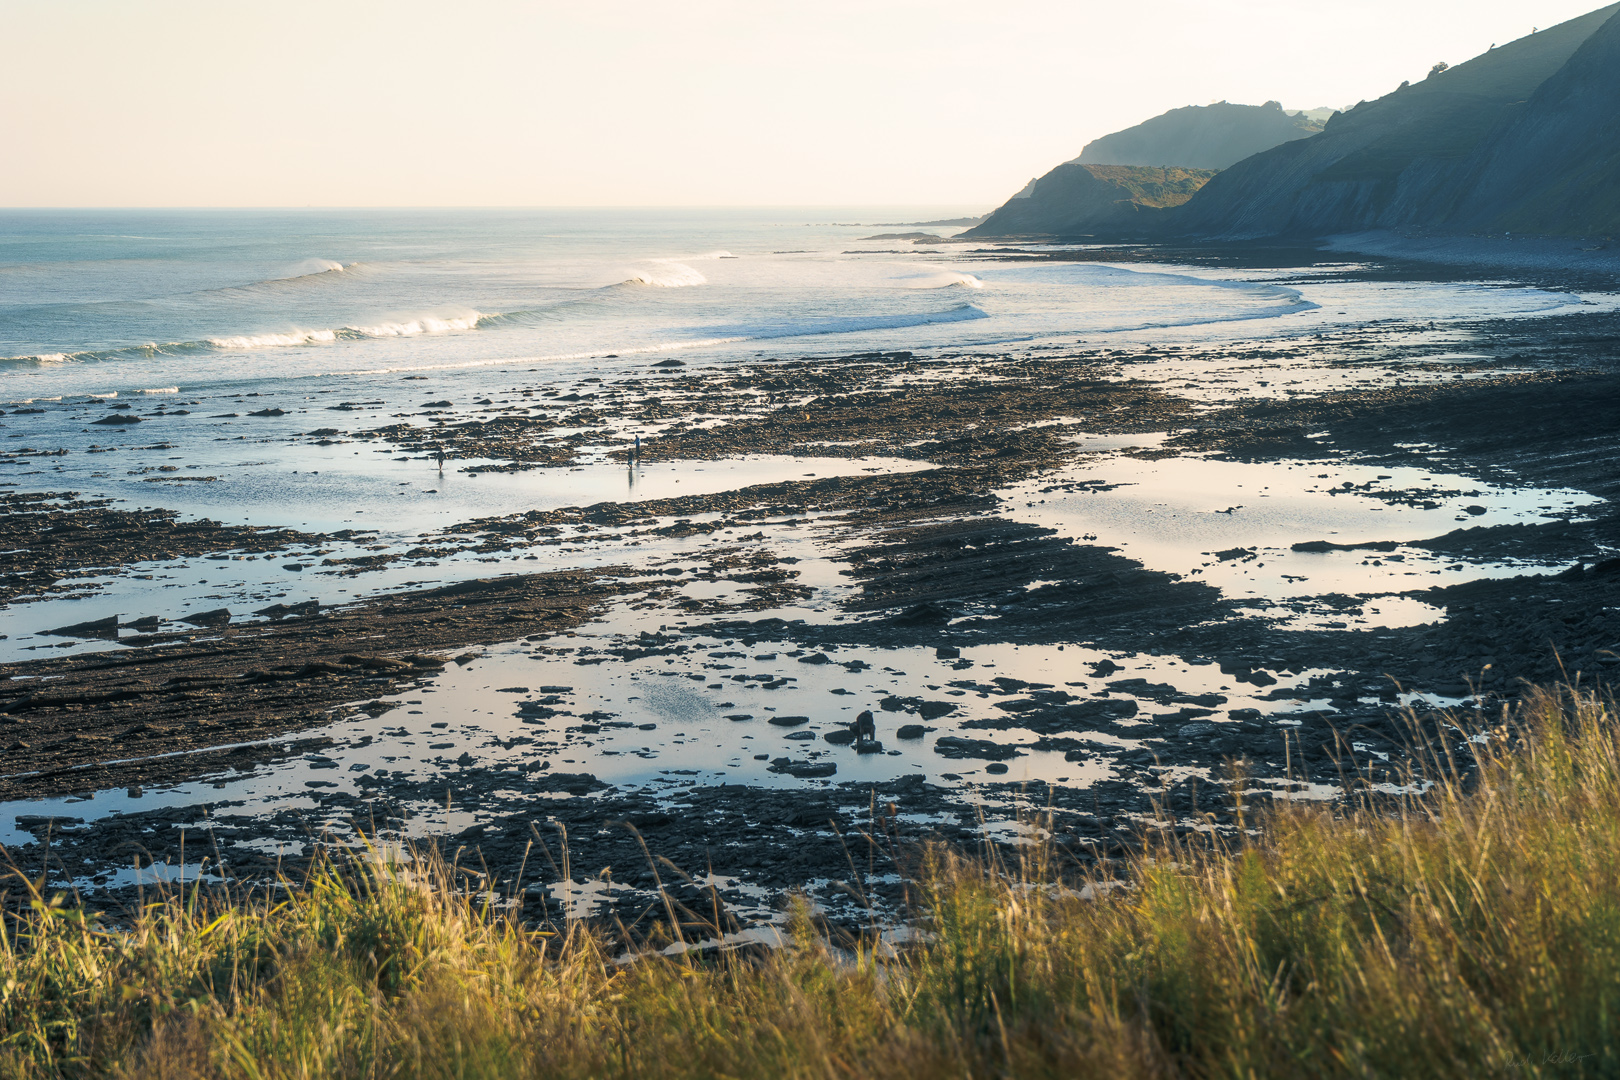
{"x":1557,"y":168}
{"x":1200,"y":137}
{"x":1518,"y":134}
{"x":1075,"y":200}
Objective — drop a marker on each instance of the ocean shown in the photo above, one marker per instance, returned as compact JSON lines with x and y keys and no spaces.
{"x":292,"y":368}
{"x":95,"y":302}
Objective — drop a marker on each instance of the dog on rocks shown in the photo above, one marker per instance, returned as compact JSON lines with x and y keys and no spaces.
{"x":864,"y":727}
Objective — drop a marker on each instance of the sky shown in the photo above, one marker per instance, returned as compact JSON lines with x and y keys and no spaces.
{"x":698,"y":102}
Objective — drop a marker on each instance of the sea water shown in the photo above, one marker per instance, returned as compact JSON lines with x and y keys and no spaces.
{"x":100,"y":302}
{"x":396,"y":306}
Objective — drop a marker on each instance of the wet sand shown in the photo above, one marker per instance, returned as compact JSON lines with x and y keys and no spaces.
{"x":1077,"y":577}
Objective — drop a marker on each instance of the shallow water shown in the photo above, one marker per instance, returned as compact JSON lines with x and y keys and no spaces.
{"x":1232,"y":524}
{"x":660,"y":723}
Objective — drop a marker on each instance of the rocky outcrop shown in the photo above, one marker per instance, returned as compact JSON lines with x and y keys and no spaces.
{"x":1079,"y":200}
{"x":1201,"y":136}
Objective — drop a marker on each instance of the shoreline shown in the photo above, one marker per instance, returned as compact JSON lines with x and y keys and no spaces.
{"x":904,"y":592}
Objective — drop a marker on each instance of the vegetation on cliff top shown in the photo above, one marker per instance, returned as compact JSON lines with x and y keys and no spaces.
{"x":1074,"y":199}
{"x":1214,"y":136}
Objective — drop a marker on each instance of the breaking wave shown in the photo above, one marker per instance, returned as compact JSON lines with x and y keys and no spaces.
{"x":409,"y":327}
{"x":949,"y":279}
{"x":426,"y":324}
{"x":725,"y":335}
{"x":264,"y":341}
{"x":675,"y":273}
{"x":667,"y":275}
{"x":310,"y":272}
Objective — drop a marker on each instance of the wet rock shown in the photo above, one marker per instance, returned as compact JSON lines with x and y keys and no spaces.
{"x":926,"y":614}
{"x":117,"y":419}
{"x":912,"y":731}
{"x":954,"y":746}
{"x":573,"y":783}
{"x":282,"y":611}
{"x":995,"y":767}
{"x":803,"y":770}
{"x":95,"y":628}
{"x":377,"y":663}
{"x":216,"y":617}
{"x":789,"y":721}
{"x":33,"y":822}
{"x":1322,"y":546}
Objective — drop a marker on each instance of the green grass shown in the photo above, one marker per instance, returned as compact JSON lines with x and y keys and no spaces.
{"x":1470,"y":931}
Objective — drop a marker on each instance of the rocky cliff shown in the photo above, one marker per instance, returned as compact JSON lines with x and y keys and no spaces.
{"x":1525,"y":138}
{"x":1556,"y":169}
{"x":1201,"y":136}
{"x":1523,"y":135}
{"x":1077,"y":200}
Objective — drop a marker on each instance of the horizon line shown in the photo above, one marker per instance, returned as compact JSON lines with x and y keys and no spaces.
{"x":502,"y":206}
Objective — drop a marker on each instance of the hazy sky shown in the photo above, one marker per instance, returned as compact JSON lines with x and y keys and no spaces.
{"x":715,"y":102}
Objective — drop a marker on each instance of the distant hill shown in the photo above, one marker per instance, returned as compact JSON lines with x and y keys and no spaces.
{"x":1124,"y":180}
{"x":1201,"y":136}
{"x":1524,"y":136}
{"x":1075,"y":199}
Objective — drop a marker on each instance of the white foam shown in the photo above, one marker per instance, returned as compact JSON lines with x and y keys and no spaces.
{"x":314,"y":268}
{"x":110,"y":394}
{"x":426,"y":324}
{"x":667,"y":274}
{"x":939,"y":279}
{"x":160,"y":390}
{"x":963,"y":313}
{"x":950,"y":280}
{"x":260,"y":341}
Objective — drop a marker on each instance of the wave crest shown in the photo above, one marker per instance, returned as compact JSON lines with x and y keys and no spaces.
{"x":667,"y":275}
{"x":260,"y":341}
{"x":406,"y":327}
{"x":426,"y":324}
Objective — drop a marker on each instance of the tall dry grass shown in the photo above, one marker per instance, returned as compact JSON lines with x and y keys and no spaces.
{"x":1468,"y":930}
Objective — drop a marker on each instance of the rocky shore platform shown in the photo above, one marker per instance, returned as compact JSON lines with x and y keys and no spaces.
{"x":1050,"y":570}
